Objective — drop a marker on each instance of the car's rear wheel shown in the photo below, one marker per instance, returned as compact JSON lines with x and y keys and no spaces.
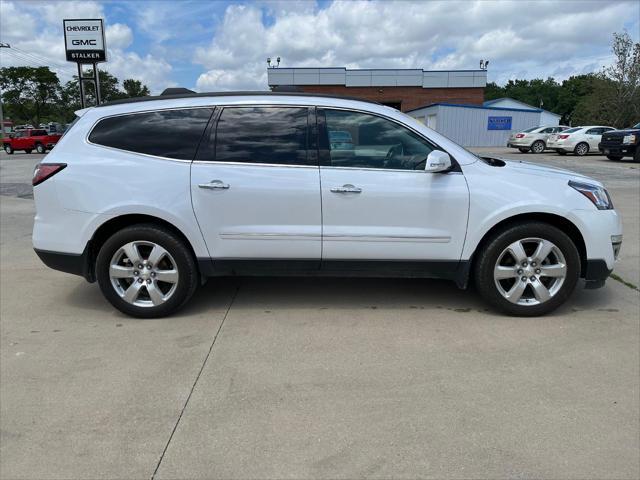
{"x":538,"y":146}
{"x":8,"y":149}
{"x":614,"y":157}
{"x":40,"y":148}
{"x":581,"y":149}
{"x":523,"y":150}
{"x":527,"y":269}
{"x":146,"y":271}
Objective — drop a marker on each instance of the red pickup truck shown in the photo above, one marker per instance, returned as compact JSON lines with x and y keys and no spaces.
{"x":29,"y":140}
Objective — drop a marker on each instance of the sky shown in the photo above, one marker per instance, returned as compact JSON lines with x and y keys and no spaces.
{"x":223,"y":45}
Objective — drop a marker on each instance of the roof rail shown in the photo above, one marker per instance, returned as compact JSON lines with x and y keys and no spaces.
{"x":175,"y":91}
{"x":168,"y":94}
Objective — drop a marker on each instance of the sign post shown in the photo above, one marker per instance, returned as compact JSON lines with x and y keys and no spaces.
{"x":85,"y":45}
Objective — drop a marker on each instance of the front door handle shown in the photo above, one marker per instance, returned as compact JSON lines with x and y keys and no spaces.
{"x":214,"y":185}
{"x":348,"y":188}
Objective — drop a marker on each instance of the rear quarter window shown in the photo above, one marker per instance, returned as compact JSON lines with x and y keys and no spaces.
{"x":163,"y":133}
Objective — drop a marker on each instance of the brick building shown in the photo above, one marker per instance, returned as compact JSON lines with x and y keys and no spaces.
{"x":404,"y":89}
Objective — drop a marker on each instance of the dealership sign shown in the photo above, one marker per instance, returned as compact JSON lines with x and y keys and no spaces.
{"x":84,"y":41}
{"x":499,"y":123}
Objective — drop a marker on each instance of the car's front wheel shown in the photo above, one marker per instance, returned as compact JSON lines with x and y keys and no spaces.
{"x":40,"y":148}
{"x":8,"y":149}
{"x":528,"y":269}
{"x":146,"y":271}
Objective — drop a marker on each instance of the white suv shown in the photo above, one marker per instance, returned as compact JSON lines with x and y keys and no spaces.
{"x":150,"y":196}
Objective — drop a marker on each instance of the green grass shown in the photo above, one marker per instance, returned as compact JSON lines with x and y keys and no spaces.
{"x":624,"y":282}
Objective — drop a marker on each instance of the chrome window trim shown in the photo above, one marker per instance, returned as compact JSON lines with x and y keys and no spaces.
{"x":301,"y":105}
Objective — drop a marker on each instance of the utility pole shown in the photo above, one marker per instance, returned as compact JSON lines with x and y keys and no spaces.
{"x":2,"y":45}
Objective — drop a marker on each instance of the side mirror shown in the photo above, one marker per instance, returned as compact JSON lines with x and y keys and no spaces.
{"x":437,"y":161}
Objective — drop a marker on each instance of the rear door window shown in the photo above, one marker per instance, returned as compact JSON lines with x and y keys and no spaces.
{"x":264,"y":135}
{"x":163,"y":133}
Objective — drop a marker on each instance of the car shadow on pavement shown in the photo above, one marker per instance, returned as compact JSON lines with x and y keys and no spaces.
{"x":311,"y":294}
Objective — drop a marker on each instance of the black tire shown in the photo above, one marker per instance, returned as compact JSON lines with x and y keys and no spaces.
{"x":538,"y":146}
{"x":41,"y":148}
{"x":188,"y":275}
{"x":490,"y":253}
{"x":615,"y":158}
{"x":581,"y":149}
{"x":524,"y":150}
{"x":636,"y":154}
{"x":561,"y":152}
{"x":9,"y":149}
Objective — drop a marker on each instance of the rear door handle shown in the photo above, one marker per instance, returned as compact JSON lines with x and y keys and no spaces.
{"x":214,"y":185}
{"x":348,"y":188}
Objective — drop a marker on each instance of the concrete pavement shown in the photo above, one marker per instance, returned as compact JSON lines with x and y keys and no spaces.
{"x":315,"y":378}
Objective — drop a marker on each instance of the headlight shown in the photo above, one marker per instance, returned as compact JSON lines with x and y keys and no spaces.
{"x":598,"y":195}
{"x":629,"y":138}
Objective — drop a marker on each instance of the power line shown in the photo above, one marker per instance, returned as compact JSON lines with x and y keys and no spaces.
{"x":42,"y":59}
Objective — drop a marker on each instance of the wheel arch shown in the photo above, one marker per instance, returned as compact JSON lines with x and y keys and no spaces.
{"x":108,"y":228}
{"x":560,"y":222}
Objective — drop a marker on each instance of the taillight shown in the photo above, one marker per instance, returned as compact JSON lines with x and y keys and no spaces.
{"x":46,"y":170}
{"x":520,"y":135}
{"x":562,"y":137}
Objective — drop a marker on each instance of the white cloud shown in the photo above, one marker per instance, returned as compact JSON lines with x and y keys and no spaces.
{"x":118,"y":36}
{"x":36,"y":40}
{"x":537,"y":38}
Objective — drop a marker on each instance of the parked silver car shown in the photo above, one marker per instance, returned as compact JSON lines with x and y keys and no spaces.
{"x":533,"y":139}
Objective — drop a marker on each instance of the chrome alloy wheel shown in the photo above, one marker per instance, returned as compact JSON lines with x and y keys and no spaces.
{"x":537,"y":147}
{"x":582,"y":149}
{"x":143,"y":273}
{"x":530,"y":271}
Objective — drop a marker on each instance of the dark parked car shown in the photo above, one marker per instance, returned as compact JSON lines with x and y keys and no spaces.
{"x":621,"y":143}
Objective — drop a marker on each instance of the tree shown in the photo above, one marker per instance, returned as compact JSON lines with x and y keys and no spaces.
{"x":135,"y":88}
{"x":625,"y":75}
{"x":29,"y":93}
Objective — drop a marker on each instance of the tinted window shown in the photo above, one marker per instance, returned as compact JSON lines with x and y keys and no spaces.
{"x":38,"y":133}
{"x":275,"y":135}
{"x":165,"y":133}
{"x":529,"y":130}
{"x":362,"y":140}
{"x":572,"y":130}
{"x":594,"y":131}
{"x":547,"y":130}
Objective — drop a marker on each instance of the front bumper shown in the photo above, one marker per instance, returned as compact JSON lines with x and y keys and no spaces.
{"x":617,"y":149}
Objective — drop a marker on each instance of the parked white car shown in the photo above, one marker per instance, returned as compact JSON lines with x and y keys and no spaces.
{"x":148,"y":197}
{"x":533,"y":139}
{"x":579,"y":140}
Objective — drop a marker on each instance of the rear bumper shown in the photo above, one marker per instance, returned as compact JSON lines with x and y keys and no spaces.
{"x":76,"y":264}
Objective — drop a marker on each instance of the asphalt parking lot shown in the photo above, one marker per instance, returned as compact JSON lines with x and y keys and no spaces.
{"x":316,"y":378}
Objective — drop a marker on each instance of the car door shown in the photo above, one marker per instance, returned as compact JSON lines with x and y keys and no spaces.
{"x":256,"y":188}
{"x":378,"y":203}
{"x":593,"y":136}
{"x":19,"y":140}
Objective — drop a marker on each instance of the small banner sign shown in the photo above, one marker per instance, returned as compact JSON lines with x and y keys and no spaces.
{"x":84,"y":40}
{"x":499,"y":123}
